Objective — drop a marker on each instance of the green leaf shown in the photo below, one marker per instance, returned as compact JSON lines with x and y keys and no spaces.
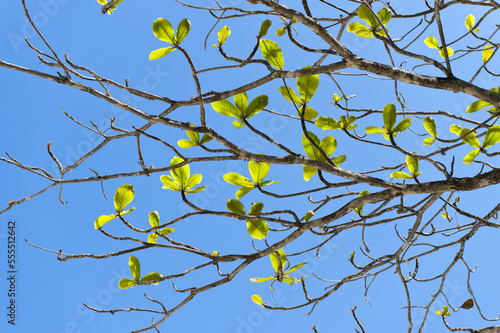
{"x":193,"y":181}
{"x":205,"y":138}
{"x":258,"y":171}
{"x":269,"y":182}
{"x":290,"y":280}
{"x":295,"y":268}
{"x":194,"y":136}
{"x":238,"y":124}
{"x":470,"y":139}
{"x":168,"y":183}
{"x":366,"y":15}
{"x":259,"y":280}
{"x":160,"y":53}
{"x":307,"y":86}
{"x":450,"y":52}
{"x":469,"y":21}
{"x":223,"y":34}
{"x":123,"y":196}
{"x":476,"y":106}
{"x":256,"y":208}
{"x":359,"y":210}
{"x":154,"y":218}
{"x":242,"y":192}
{"x":237,"y":179}
{"x":487,"y":53}
{"x":430,"y":126}
{"x":374,"y":130}
{"x":257,"y":229}
{"x":492,"y":136}
{"x":163,"y":30}
{"x":290,"y":95}
{"x":241,"y":102}
{"x":384,"y":15}
{"x":327,"y":123}
{"x":185,"y":143}
{"x":281,"y":31}
{"x":431,"y":42}
{"x":389,"y":115}
{"x":336,"y":98}
{"x":400,"y":175}
{"x":272,"y":52}
{"x":310,"y":113}
{"x":151,"y":277}
{"x":182,"y":30}
{"x":310,"y":150}
{"x":135,"y":267}
{"x":256,"y":105}
{"x":235,"y":206}
{"x":402,"y":126}
{"x":152,"y":238}
{"x":329,"y":145}
{"x":360,"y":30}
{"x":196,"y":190}
{"x":308,"y":215}
{"x":412,"y":164}
{"x":258,"y":300}
{"x":275,"y":260}
{"x":227,"y":108}
{"x":102,"y":220}
{"x":181,"y":174}
{"x":166,"y":231}
{"x":126,"y":283}
{"x":339,"y":160}
{"x":455,"y":129}
{"x":264,"y":27}
{"x":429,"y":141}
{"x":309,"y":172}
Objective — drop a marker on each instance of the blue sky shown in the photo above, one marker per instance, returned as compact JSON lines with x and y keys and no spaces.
{"x":117,"y":46}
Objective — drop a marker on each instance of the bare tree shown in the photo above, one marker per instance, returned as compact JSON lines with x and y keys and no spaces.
{"x":416,"y":196}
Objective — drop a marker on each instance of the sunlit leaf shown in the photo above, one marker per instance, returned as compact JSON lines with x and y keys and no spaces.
{"x":223,"y":34}
{"x":384,"y":15}
{"x":182,"y":30}
{"x":168,"y":183}
{"x":123,"y":196}
{"x":226,"y":108}
{"x":205,"y":138}
{"x":359,"y":210}
{"x":151,"y":277}
{"x":455,"y":129}
{"x":430,"y":126}
{"x":307,"y":86}
{"x":154,"y":218}
{"x":160,"y":53}
{"x":412,"y":164}
{"x":257,"y":229}
{"x":402,"y":126}
{"x":308,"y":215}
{"x":258,"y":300}
{"x":259,"y":280}
{"x":389,"y":115}
{"x":469,"y":21}
{"x":126,"y":283}
{"x":471,"y":156}
{"x":309,"y":172}
{"x":163,"y":30}
{"x":431,"y":42}
{"x":275,"y":261}
{"x":429,"y":141}
{"x":256,"y":105}
{"x":102,"y":220}
{"x":329,"y":145}
{"x":256,"y":208}
{"x":366,"y":15}
{"x":492,"y":136}
{"x":374,"y":130}
{"x":238,"y":124}
{"x":295,"y":268}
{"x":327,"y":123}
{"x":281,"y":31}
{"x":264,"y":27}
{"x":487,"y":53}
{"x":400,"y":175}
{"x":152,"y":238}
{"x":135,"y":267}
{"x":235,"y":206}
{"x":272,"y":52}
{"x":450,"y":52}
{"x":185,"y":143}
{"x":180,"y":174}
{"x":290,"y":95}
{"x":309,"y":113}
{"x":237,"y":179}
{"x":476,"y":106}
{"x":470,"y":139}
{"x":193,"y":181}
{"x":310,"y":150}
{"x":360,"y":30}
{"x":242,"y":192}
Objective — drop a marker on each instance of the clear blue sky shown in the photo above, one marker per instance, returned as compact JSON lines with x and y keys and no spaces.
{"x":50,"y":292}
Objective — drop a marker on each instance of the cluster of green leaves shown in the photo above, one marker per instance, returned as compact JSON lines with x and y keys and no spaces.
{"x":412,"y":164}
{"x":359,"y":210}
{"x":180,"y":179}
{"x":491,"y":138}
{"x":478,"y":105}
{"x":241,"y":109}
{"x":163,"y":30}
{"x":123,"y":196}
{"x":112,"y":8}
{"x":430,"y":127}
{"x":488,"y":49}
{"x":258,"y":171}
{"x":444,"y":313}
{"x":328,"y":145}
{"x":154,"y":221}
{"x":279,"y":263}
{"x":384,"y":15}
{"x":307,"y":86}
{"x":225,"y":32}
{"x":135,"y":268}
{"x":390,"y":129}
{"x":194,"y":140}
{"x":344,"y":123}
{"x":433,"y":44}
{"x":256,"y":228}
